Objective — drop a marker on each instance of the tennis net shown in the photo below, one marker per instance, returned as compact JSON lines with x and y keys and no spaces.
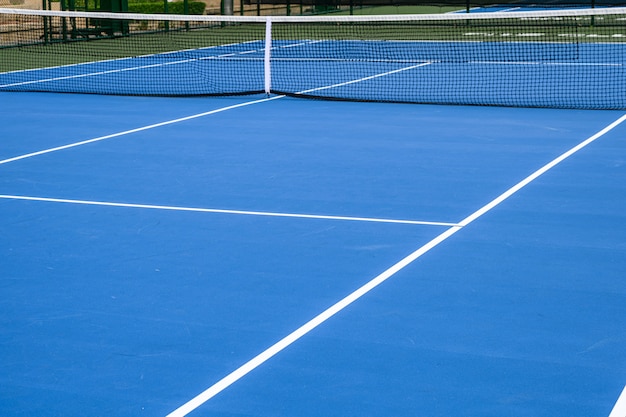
{"x":563,"y":59}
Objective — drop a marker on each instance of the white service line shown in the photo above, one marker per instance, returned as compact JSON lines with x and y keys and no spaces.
{"x":267,"y":354}
{"x":225,"y":211}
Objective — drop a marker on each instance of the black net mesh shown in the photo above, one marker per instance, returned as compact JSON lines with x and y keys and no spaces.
{"x":565,"y":59}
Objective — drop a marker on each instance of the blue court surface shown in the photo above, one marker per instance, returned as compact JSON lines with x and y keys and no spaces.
{"x":256,"y":256}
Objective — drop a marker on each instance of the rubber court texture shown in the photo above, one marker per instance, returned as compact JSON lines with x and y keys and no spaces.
{"x":307,"y":258}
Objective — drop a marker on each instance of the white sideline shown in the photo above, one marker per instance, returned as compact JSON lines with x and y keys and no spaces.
{"x":139,"y":129}
{"x":291,"y":338}
{"x":619,"y":410}
{"x":195,"y":116}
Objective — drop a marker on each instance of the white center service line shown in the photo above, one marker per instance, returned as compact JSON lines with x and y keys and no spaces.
{"x":225,"y":211}
{"x":270,"y":352}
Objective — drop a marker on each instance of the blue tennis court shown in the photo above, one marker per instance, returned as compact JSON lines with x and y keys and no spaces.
{"x":281,"y":257}
{"x":262,"y":255}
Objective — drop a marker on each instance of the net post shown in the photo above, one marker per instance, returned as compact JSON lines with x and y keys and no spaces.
{"x":266,"y":61}
{"x":227,"y":7}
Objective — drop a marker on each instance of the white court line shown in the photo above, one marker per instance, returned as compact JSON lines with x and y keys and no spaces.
{"x":215,"y":57}
{"x":195,"y":116}
{"x":371,"y":77}
{"x":80,"y":64}
{"x":619,"y":410}
{"x":270,"y":352}
{"x":140,"y":67}
{"x":95,"y":74}
{"x":264,"y":356}
{"x":139,"y":129}
{"x":225,"y":211}
{"x":121,"y":70}
{"x":553,"y":64}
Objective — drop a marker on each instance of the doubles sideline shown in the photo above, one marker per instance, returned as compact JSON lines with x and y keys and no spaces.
{"x":291,"y":338}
